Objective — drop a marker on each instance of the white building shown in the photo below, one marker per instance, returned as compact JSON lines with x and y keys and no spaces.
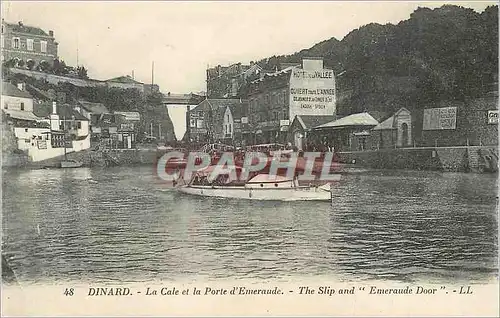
{"x":47,"y":135}
{"x":16,"y":98}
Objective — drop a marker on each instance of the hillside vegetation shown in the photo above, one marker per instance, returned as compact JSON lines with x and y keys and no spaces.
{"x":448,"y":53}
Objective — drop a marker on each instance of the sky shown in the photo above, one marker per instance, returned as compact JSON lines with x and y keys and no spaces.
{"x":115,"y":38}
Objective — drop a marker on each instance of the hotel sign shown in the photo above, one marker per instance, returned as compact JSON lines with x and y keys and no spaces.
{"x":440,"y":118}
{"x":493,"y":117}
{"x":312,"y":92}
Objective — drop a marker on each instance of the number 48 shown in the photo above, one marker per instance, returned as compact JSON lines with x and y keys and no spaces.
{"x":68,"y":292}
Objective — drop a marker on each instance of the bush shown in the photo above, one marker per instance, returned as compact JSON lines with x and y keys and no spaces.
{"x":30,"y":64}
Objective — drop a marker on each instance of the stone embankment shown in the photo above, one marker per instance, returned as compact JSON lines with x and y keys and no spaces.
{"x":458,"y":159}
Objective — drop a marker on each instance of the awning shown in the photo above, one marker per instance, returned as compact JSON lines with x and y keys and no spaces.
{"x":354,"y":120}
{"x":21,"y":114}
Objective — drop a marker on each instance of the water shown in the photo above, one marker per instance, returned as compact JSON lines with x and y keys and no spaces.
{"x":123,"y":225}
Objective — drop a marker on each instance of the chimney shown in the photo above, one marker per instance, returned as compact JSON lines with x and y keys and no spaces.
{"x":54,"y":108}
{"x":51,"y":33}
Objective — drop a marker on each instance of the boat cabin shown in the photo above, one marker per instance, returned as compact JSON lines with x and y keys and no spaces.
{"x":208,"y":177}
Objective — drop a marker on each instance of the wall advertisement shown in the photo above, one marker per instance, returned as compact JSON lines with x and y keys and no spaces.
{"x":312,"y":92}
{"x":440,"y":118}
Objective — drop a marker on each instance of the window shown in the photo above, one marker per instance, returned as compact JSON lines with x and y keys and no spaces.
{"x":43,"y":46}
{"x":22,"y":106}
{"x":16,"y":43}
{"x":29,"y":44}
{"x":5,"y":106}
{"x":79,"y":125}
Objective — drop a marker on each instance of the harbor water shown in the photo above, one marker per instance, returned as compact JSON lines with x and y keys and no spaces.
{"x":124,"y":225}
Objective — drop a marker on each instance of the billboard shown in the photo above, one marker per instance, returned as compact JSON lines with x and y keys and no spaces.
{"x":312,"y":92}
{"x":440,"y":118}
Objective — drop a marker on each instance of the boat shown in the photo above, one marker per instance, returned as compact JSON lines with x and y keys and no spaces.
{"x":69,"y":163}
{"x":265,"y":187}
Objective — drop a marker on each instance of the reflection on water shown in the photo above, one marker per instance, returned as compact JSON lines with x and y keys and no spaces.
{"x":121,"y":224}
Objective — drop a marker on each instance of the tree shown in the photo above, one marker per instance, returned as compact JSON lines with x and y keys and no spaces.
{"x":56,"y":66}
{"x":63,"y":69}
{"x":9,"y":63}
{"x":82,"y":72}
{"x":30,"y":64}
{"x":44,"y":66}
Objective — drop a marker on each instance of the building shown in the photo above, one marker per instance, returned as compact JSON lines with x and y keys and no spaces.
{"x":218,"y":120}
{"x":277,"y":98}
{"x":301,"y":127}
{"x":27,"y":45}
{"x":195,"y":126}
{"x":229,"y":81}
{"x":395,"y":131}
{"x":44,"y":131}
{"x":16,"y":98}
{"x":126,"y":82}
{"x":344,"y":134}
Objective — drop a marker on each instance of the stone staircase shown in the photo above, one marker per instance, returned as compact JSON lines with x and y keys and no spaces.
{"x":482,"y":159}
{"x":473,"y":159}
{"x":110,"y":159}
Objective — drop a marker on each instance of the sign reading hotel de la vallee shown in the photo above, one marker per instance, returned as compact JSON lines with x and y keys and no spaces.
{"x":312,"y":90}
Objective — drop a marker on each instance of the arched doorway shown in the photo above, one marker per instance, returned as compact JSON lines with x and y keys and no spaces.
{"x":404,"y":139}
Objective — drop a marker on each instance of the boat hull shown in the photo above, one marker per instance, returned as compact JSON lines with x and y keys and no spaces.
{"x":278,"y":194}
{"x":71,"y":164}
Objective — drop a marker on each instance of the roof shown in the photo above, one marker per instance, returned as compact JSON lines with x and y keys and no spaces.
{"x":19,"y":27}
{"x":265,"y":178}
{"x":38,"y":93}
{"x":273,"y":74}
{"x":221,"y":103}
{"x":21,"y":114}
{"x":354,"y":120}
{"x":386,"y":124}
{"x":95,"y":108}
{"x":123,"y":79}
{"x":9,"y":89}
{"x":130,"y":115}
{"x":310,"y":121}
{"x":64,"y":111}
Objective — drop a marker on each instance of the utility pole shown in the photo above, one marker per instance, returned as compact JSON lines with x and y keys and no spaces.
{"x":152,"y":73}
{"x":188,"y":124}
{"x":77,"y":50}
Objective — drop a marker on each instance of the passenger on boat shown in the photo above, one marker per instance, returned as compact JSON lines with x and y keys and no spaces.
{"x":196,"y":180}
{"x":204,"y":180}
